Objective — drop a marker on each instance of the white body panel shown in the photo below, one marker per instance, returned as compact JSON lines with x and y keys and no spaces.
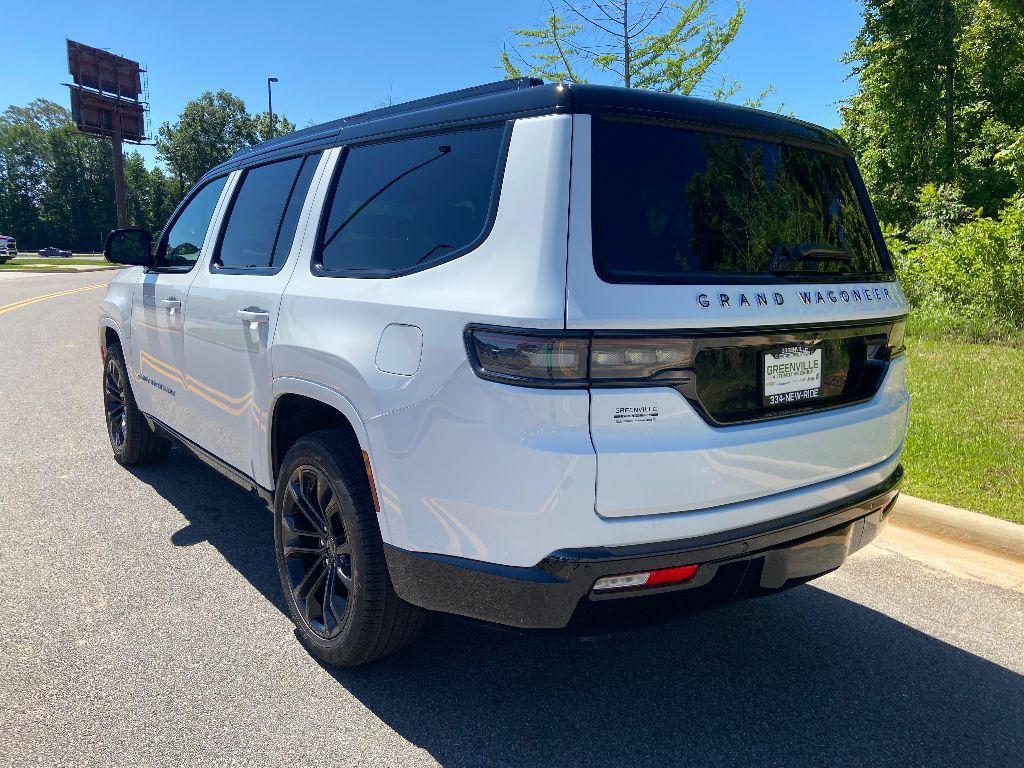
{"x":489,"y":471}
{"x":229,"y":356}
{"x":680,"y":463}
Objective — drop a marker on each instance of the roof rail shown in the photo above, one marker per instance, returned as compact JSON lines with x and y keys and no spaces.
{"x":451,"y":97}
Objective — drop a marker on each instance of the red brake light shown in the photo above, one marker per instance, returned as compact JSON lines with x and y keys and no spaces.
{"x":661,"y":576}
{"x":671,"y":575}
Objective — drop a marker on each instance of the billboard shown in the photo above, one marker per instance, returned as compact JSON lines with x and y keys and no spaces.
{"x":104,"y":115}
{"x":103,"y":71}
{"x":106,"y":93}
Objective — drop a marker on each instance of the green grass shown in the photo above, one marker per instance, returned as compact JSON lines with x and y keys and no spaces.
{"x":966,"y":441}
{"x":35,"y":264}
{"x":56,"y":262}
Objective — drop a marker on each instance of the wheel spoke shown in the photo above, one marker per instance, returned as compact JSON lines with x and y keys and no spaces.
{"x":311,"y":602}
{"x":343,"y":568}
{"x":293,"y":550}
{"x":324,"y":500}
{"x":307,"y":584}
{"x":291,"y":523}
{"x":338,"y":614}
{"x":299,"y":497}
{"x":328,"y":603}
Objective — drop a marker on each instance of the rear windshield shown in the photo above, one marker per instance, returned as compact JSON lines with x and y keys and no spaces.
{"x":679,"y":205}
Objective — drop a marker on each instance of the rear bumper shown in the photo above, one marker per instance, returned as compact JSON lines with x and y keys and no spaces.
{"x":556,"y":593}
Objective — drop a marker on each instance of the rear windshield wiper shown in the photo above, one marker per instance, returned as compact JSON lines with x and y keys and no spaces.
{"x":794,"y":254}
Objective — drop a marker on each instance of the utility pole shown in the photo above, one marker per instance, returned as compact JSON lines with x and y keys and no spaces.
{"x":270,"y":104}
{"x":119,"y":195}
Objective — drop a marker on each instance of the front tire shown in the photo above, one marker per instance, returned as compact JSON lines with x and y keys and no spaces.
{"x":131,"y":438}
{"x":330,"y":557}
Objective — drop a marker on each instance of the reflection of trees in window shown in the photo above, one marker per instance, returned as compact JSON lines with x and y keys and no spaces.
{"x":755,"y":198}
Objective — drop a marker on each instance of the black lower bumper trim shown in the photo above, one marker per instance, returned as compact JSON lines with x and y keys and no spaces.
{"x":556,"y":593}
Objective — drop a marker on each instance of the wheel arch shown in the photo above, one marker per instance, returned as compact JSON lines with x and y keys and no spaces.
{"x":110,"y":333}
{"x":299,"y":407}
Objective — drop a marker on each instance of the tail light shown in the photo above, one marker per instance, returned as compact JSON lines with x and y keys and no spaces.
{"x":581,"y":359}
{"x":896,"y":336}
{"x":570,"y":359}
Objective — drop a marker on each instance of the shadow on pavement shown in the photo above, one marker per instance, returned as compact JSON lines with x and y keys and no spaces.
{"x":235,"y":522}
{"x":801,"y":678}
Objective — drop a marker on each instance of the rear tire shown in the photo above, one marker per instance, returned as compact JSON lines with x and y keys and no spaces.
{"x":131,"y":438}
{"x":330,"y":556}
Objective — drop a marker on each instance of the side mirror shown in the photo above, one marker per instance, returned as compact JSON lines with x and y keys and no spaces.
{"x":129,"y":246}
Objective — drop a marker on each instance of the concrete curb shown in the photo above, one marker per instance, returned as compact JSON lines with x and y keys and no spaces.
{"x":998,"y":536}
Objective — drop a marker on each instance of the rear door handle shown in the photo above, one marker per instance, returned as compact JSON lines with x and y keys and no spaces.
{"x":253,"y":316}
{"x":171,"y":304}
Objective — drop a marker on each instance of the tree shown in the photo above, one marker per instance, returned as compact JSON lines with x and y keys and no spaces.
{"x":663,"y":46}
{"x":282,"y":125}
{"x":940,"y":100}
{"x":40,"y":113}
{"x":209,"y":130}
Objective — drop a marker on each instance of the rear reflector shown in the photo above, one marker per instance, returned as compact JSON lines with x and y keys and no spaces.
{"x":646,"y":578}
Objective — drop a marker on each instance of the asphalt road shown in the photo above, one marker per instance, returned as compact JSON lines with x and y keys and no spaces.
{"x":141,"y":623}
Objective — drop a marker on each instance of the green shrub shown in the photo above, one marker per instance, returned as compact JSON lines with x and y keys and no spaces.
{"x":966,"y":278}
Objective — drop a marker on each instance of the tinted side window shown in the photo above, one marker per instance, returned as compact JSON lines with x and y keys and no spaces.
{"x":286,"y":233}
{"x":256,"y":214}
{"x":180,"y":246}
{"x":406,"y":203}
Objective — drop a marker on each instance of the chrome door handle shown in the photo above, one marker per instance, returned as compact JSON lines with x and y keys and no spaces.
{"x":171,"y":303}
{"x":253,"y":316}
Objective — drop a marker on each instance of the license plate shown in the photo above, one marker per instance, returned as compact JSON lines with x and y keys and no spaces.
{"x":791,"y":375}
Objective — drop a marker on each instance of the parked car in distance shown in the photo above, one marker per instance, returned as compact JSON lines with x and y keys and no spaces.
{"x":8,"y":247}
{"x":556,"y":357}
{"x":54,"y":253}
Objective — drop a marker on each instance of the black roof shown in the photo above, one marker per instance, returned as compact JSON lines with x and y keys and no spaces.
{"x":527,"y":97}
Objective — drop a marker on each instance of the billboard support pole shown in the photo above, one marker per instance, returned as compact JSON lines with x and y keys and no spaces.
{"x":119,"y":195}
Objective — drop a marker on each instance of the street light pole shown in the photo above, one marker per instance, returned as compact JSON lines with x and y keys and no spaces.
{"x":270,"y":104}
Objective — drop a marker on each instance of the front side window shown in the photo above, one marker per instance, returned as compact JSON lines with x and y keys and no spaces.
{"x":262,"y":219}
{"x":182,"y":243}
{"x":404,"y":204}
{"x":674,"y":204}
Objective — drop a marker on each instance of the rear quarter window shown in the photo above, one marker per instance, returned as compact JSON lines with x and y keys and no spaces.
{"x":404,"y":205}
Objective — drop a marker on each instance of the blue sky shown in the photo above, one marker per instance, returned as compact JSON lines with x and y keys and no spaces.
{"x":339,"y":58}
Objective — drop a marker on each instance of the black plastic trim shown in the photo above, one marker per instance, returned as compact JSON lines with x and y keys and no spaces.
{"x":557,"y":592}
{"x":234,"y":475}
{"x":751,"y":538}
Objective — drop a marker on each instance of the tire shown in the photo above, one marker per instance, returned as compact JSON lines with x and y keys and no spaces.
{"x":131,"y":438}
{"x":327,"y":543}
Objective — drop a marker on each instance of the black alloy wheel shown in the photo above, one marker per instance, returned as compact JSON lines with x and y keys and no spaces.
{"x":318,"y":552}
{"x":115,"y":404}
{"x":330,"y":555}
{"x":132,"y":438}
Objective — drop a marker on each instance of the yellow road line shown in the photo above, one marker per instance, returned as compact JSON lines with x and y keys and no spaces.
{"x":34,"y":299}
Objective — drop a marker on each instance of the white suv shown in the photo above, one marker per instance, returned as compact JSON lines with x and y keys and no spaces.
{"x":549,"y":356}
